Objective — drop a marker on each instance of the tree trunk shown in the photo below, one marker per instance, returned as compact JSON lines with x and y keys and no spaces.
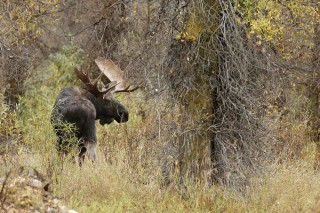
{"x":192,"y":85}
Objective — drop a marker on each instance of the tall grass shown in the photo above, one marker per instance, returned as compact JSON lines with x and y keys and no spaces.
{"x":105,"y":187}
{"x":127,"y":174}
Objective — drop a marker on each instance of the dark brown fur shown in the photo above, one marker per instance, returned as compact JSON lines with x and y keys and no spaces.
{"x":82,"y":108}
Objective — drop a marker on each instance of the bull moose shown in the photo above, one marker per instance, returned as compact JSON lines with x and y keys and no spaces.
{"x":81,"y":107}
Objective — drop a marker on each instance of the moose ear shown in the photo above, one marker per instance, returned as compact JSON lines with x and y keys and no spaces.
{"x":112,"y":72}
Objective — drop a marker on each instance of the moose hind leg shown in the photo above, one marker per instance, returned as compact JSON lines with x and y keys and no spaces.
{"x":91,"y":148}
{"x":88,"y":147}
{"x":82,"y":152}
{"x":89,"y":140}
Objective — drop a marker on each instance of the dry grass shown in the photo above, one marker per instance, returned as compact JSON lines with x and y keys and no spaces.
{"x":126,"y":178}
{"x":127,"y":174}
{"x":105,"y":187}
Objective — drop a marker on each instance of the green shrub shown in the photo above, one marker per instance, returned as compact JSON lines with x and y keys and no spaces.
{"x":9,"y":136}
{"x":36,"y":105}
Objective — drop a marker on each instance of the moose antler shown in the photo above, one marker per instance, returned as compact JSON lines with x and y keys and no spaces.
{"x":93,"y":86}
{"x":114,"y":73}
{"x":128,"y":89}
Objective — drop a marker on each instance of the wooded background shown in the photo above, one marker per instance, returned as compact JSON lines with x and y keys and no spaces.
{"x":230,"y":86}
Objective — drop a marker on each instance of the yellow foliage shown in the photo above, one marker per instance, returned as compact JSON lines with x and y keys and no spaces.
{"x":21,"y":20}
{"x":287,"y":25}
{"x":193,"y":28}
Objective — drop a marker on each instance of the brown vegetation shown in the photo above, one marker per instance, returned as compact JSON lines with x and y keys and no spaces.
{"x":228,"y":119}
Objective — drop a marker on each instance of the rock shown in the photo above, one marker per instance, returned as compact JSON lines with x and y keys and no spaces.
{"x":2,"y":179}
{"x":36,"y":183}
{"x":55,"y":201}
{"x":26,"y":193}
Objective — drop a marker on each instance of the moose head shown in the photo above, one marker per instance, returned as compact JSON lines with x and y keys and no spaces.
{"x":82,"y":107}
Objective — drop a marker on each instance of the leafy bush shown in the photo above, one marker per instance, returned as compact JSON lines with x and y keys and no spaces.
{"x":36,"y":105}
{"x":8,"y":133}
